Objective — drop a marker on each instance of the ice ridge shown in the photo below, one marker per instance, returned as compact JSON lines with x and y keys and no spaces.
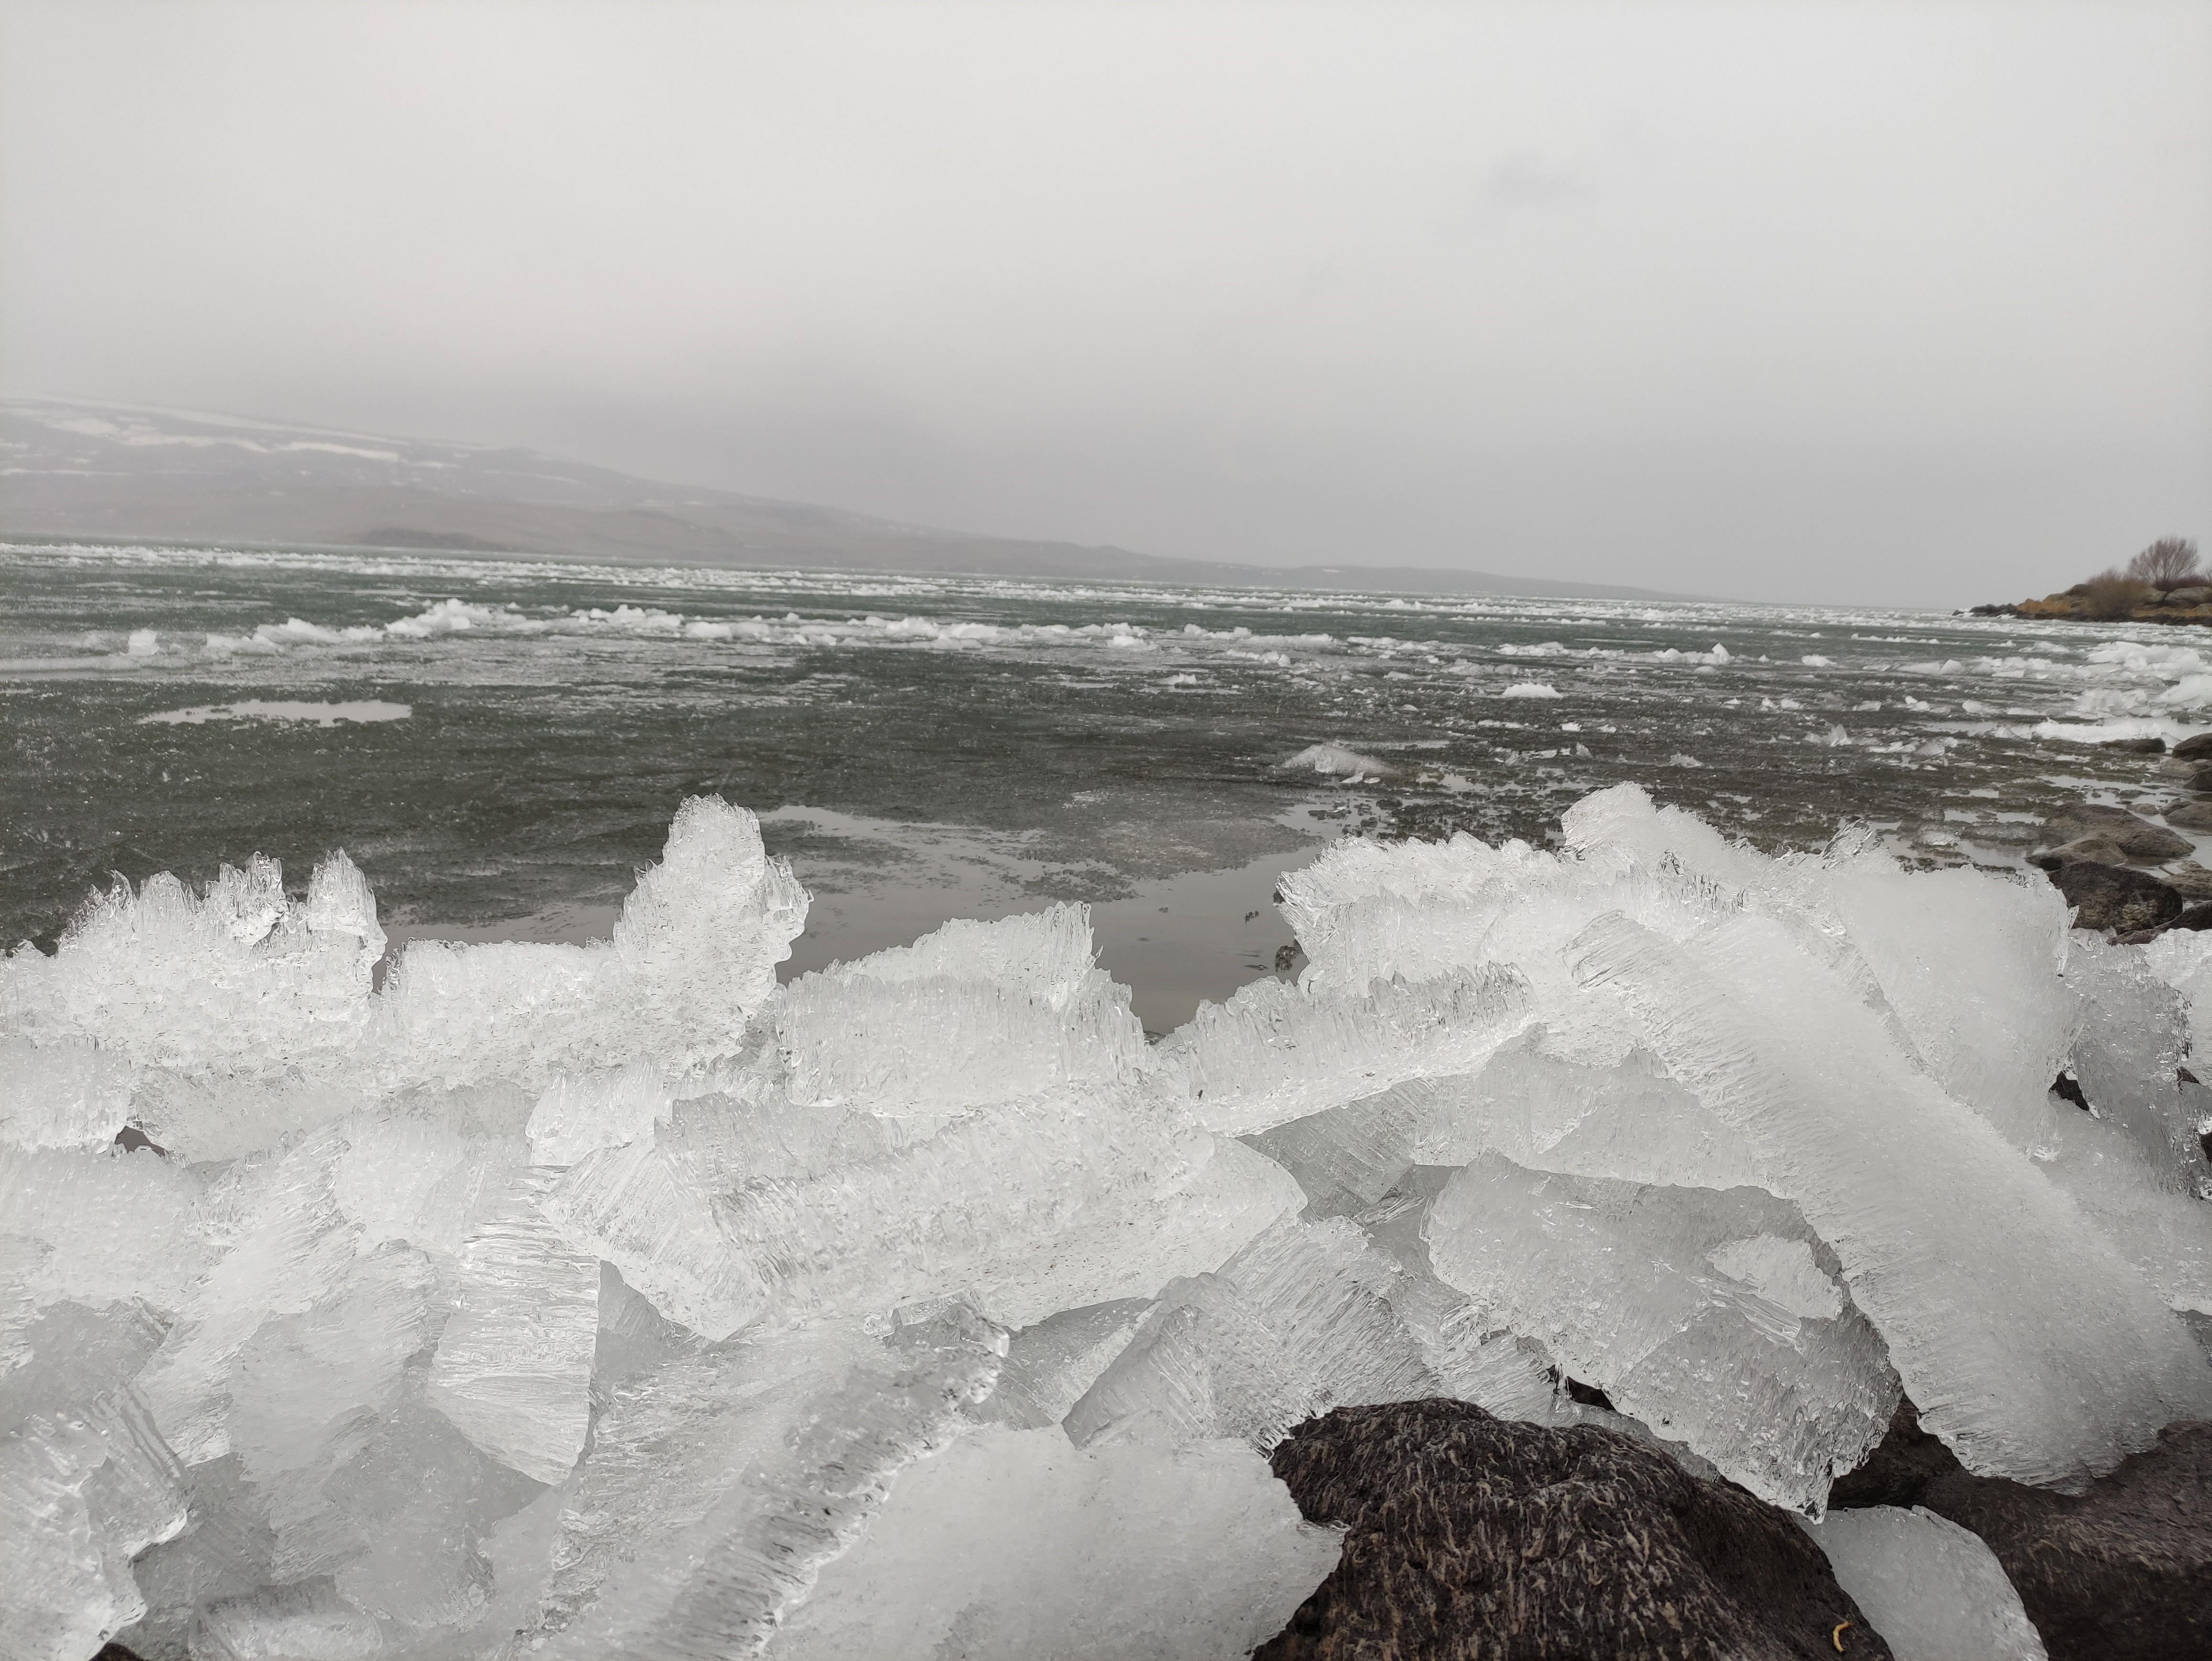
{"x":617,"y":1301}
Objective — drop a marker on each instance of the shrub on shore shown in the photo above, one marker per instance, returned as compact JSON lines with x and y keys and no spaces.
{"x":2112,"y":594}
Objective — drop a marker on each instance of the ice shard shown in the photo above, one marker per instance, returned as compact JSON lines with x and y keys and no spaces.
{"x":2030,"y":1344}
{"x":1703,"y":1313}
{"x":83,"y":1489}
{"x":1015,"y":1546}
{"x":1296,"y":1324}
{"x":719,"y":1487}
{"x":1935,"y":1591}
{"x":514,"y":1366}
{"x":975,"y":1014}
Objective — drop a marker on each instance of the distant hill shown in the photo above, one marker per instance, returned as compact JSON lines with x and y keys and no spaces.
{"x":97,"y":470}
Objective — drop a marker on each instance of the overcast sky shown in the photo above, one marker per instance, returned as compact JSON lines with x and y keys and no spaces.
{"x":1783,"y":301}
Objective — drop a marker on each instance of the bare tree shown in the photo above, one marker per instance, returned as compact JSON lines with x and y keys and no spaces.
{"x":2167,"y":563}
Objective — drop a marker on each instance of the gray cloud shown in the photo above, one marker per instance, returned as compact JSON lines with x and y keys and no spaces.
{"x":1798,"y":300}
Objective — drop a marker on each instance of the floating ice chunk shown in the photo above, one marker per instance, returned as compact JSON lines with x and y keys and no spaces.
{"x":514,"y":1366}
{"x":83,"y":1490}
{"x":975,"y":1014}
{"x":719,"y":1487}
{"x":1014,"y":1546}
{"x":1296,"y":1324}
{"x":1935,"y":1591}
{"x":65,"y":1093}
{"x":1329,"y":759}
{"x":1530,"y":689}
{"x":1617,"y":1282}
{"x":2032,"y":1348}
{"x":610,"y":1108}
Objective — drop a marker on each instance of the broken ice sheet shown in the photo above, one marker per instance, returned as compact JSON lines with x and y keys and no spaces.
{"x":974,"y":1013}
{"x":719,"y":1486}
{"x":1296,"y":1324}
{"x":236,"y":979}
{"x":1014,"y":1545}
{"x":66,"y":1093}
{"x":1626,"y":1119}
{"x":691,"y":959}
{"x":69,"y":1202}
{"x":83,"y":1489}
{"x":1933,"y":1589}
{"x":1025,"y":1209}
{"x":2033,"y":1349}
{"x":513,"y":1365}
{"x":1703,"y":1313}
{"x":1276,"y":1052}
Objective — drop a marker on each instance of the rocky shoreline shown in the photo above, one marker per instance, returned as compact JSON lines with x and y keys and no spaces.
{"x":2123,"y":874}
{"x":2176,"y":605}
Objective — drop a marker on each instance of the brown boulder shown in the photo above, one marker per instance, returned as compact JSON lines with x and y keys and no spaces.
{"x":1473,"y":1535}
{"x":2189,"y":879}
{"x":2098,"y":850}
{"x":2116,"y":897}
{"x":2198,"y":748}
{"x":2138,"y":837}
{"x":2191,"y":816}
{"x":2123,"y":1572}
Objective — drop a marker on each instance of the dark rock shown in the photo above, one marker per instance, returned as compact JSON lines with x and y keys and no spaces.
{"x":2199,"y":781}
{"x":1907,"y":1458}
{"x":1472,"y":1535}
{"x":2198,"y":916}
{"x":2123,"y":1572}
{"x":2115,"y":897}
{"x":2189,"y":879}
{"x":2097,"y":849}
{"x":2138,"y":746}
{"x":2138,"y":837}
{"x":1588,"y":1395}
{"x":2067,"y":1088}
{"x":2191,"y":816}
{"x":2189,"y":596}
{"x":2194,"y":749}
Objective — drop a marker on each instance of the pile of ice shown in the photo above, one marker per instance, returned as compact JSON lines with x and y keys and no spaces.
{"x":613,"y":1300}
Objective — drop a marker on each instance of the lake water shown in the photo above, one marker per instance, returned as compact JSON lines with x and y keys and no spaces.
{"x":500,"y":742}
